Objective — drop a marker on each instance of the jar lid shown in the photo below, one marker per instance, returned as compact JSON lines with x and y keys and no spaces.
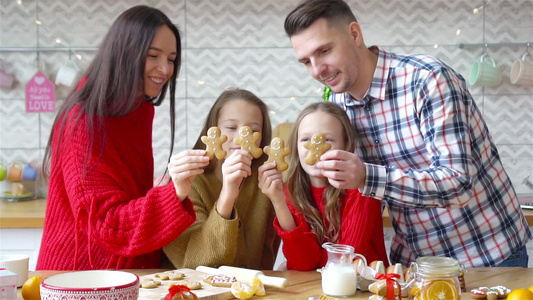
{"x":436,"y":265}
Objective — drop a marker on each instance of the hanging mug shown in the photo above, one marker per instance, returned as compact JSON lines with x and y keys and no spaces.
{"x":30,"y":171}
{"x":3,"y":171}
{"x":14,"y":172}
{"x":485,"y":72}
{"x":68,"y":73}
{"x":29,"y":70}
{"x":522,"y":71}
{"x":6,"y":79}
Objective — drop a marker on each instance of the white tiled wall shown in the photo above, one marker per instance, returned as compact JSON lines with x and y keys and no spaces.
{"x":242,"y":43}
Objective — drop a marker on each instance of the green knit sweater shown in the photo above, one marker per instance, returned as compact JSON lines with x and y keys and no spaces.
{"x":248,"y":240}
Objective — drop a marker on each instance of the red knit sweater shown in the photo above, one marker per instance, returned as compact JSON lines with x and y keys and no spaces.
{"x":362,"y":228}
{"x":111,"y":217}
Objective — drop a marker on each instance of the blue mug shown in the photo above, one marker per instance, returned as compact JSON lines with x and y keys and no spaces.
{"x":30,"y":171}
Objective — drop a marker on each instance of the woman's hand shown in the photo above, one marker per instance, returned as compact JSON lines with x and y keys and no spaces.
{"x":236,"y":167}
{"x":183,"y":168}
{"x":271,"y":183}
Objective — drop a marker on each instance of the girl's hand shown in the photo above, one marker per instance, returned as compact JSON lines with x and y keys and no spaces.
{"x":271,"y":183}
{"x":236,"y":167}
{"x":183,"y":168}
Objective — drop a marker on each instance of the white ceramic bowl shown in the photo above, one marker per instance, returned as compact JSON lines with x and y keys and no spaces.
{"x":91,"y":285}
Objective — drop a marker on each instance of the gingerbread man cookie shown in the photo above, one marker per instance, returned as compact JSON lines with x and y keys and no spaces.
{"x":213,"y":141}
{"x":247,"y":139}
{"x":492,"y":293}
{"x":149,"y":283}
{"x":276,"y":153}
{"x":316,"y":146}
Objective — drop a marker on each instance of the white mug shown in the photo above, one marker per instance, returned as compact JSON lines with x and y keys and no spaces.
{"x":6,"y":80}
{"x":18,"y":264}
{"x":68,"y":74}
{"x":485,"y":73}
{"x":29,"y":70}
{"x":522,"y":71}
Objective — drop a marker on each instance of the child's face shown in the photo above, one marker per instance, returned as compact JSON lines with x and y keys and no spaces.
{"x":159,"y":65}
{"x":331,"y":127}
{"x":235,"y":114}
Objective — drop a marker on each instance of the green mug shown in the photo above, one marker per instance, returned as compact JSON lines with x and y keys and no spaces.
{"x":3,"y":171}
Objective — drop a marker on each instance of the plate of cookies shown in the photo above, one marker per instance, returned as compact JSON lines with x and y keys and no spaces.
{"x":205,"y":286}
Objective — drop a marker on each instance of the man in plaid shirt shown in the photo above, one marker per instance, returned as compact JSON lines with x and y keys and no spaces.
{"x":425,"y":148}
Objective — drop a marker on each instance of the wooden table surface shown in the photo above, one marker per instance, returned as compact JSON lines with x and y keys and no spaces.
{"x":303,"y":285}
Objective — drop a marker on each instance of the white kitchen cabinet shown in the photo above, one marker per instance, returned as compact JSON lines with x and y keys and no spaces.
{"x":21,"y":241}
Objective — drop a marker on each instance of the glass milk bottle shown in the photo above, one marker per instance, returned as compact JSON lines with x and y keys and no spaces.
{"x":435,"y":278}
{"x":339,"y":278}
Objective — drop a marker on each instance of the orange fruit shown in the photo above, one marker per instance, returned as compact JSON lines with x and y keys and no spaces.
{"x":441,"y":290}
{"x":31,"y":290}
{"x":520,"y":294}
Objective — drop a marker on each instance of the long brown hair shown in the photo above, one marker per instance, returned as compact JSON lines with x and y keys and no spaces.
{"x":226,"y":96}
{"x":299,"y":185}
{"x":115,"y":76}
{"x":336,"y":12}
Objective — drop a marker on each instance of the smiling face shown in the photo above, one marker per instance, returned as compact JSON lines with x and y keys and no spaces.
{"x":331,"y":127}
{"x":330,"y":54}
{"x":160,"y":59}
{"x":233,"y":116}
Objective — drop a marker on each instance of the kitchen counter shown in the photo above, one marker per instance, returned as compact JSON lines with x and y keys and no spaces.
{"x":303,"y":285}
{"x":30,"y":214}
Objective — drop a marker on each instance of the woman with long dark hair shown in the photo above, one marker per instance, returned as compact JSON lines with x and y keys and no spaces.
{"x":103,"y":211}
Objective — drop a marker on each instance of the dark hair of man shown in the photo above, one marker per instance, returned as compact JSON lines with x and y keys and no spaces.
{"x":336,"y":12}
{"x":116,"y":75}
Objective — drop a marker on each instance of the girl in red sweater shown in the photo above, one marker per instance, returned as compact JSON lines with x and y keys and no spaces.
{"x":310,"y":210}
{"x":102,"y":210}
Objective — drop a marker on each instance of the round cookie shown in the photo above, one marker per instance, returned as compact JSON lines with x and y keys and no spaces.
{"x":247,"y":139}
{"x":316,"y":146}
{"x":276,"y":153}
{"x":492,"y":293}
{"x":213,"y":142}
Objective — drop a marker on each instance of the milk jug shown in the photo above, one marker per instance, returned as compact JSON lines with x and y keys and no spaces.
{"x":339,"y":278}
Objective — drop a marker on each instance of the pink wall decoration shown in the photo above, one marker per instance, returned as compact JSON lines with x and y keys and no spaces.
{"x":40,"y":94}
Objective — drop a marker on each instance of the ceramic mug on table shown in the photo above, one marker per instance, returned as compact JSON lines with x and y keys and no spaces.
{"x":485,"y":72}
{"x":522,"y":71}
{"x":18,"y":264}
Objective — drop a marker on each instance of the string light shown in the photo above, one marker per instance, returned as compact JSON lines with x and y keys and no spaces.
{"x":293,"y":98}
{"x":458,"y":32}
{"x":38,"y":22}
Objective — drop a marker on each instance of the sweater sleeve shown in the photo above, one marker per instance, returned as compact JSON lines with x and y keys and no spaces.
{"x":210,"y":241}
{"x":109,"y":206}
{"x":300,"y":245}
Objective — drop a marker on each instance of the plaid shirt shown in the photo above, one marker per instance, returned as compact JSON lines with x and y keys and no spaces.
{"x":429,"y":155}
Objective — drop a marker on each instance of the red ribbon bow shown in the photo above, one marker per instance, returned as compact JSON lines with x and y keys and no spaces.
{"x":390,"y":279}
{"x":173,"y":290}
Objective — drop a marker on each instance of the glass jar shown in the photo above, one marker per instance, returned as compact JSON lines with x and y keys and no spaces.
{"x":434,"y":278}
